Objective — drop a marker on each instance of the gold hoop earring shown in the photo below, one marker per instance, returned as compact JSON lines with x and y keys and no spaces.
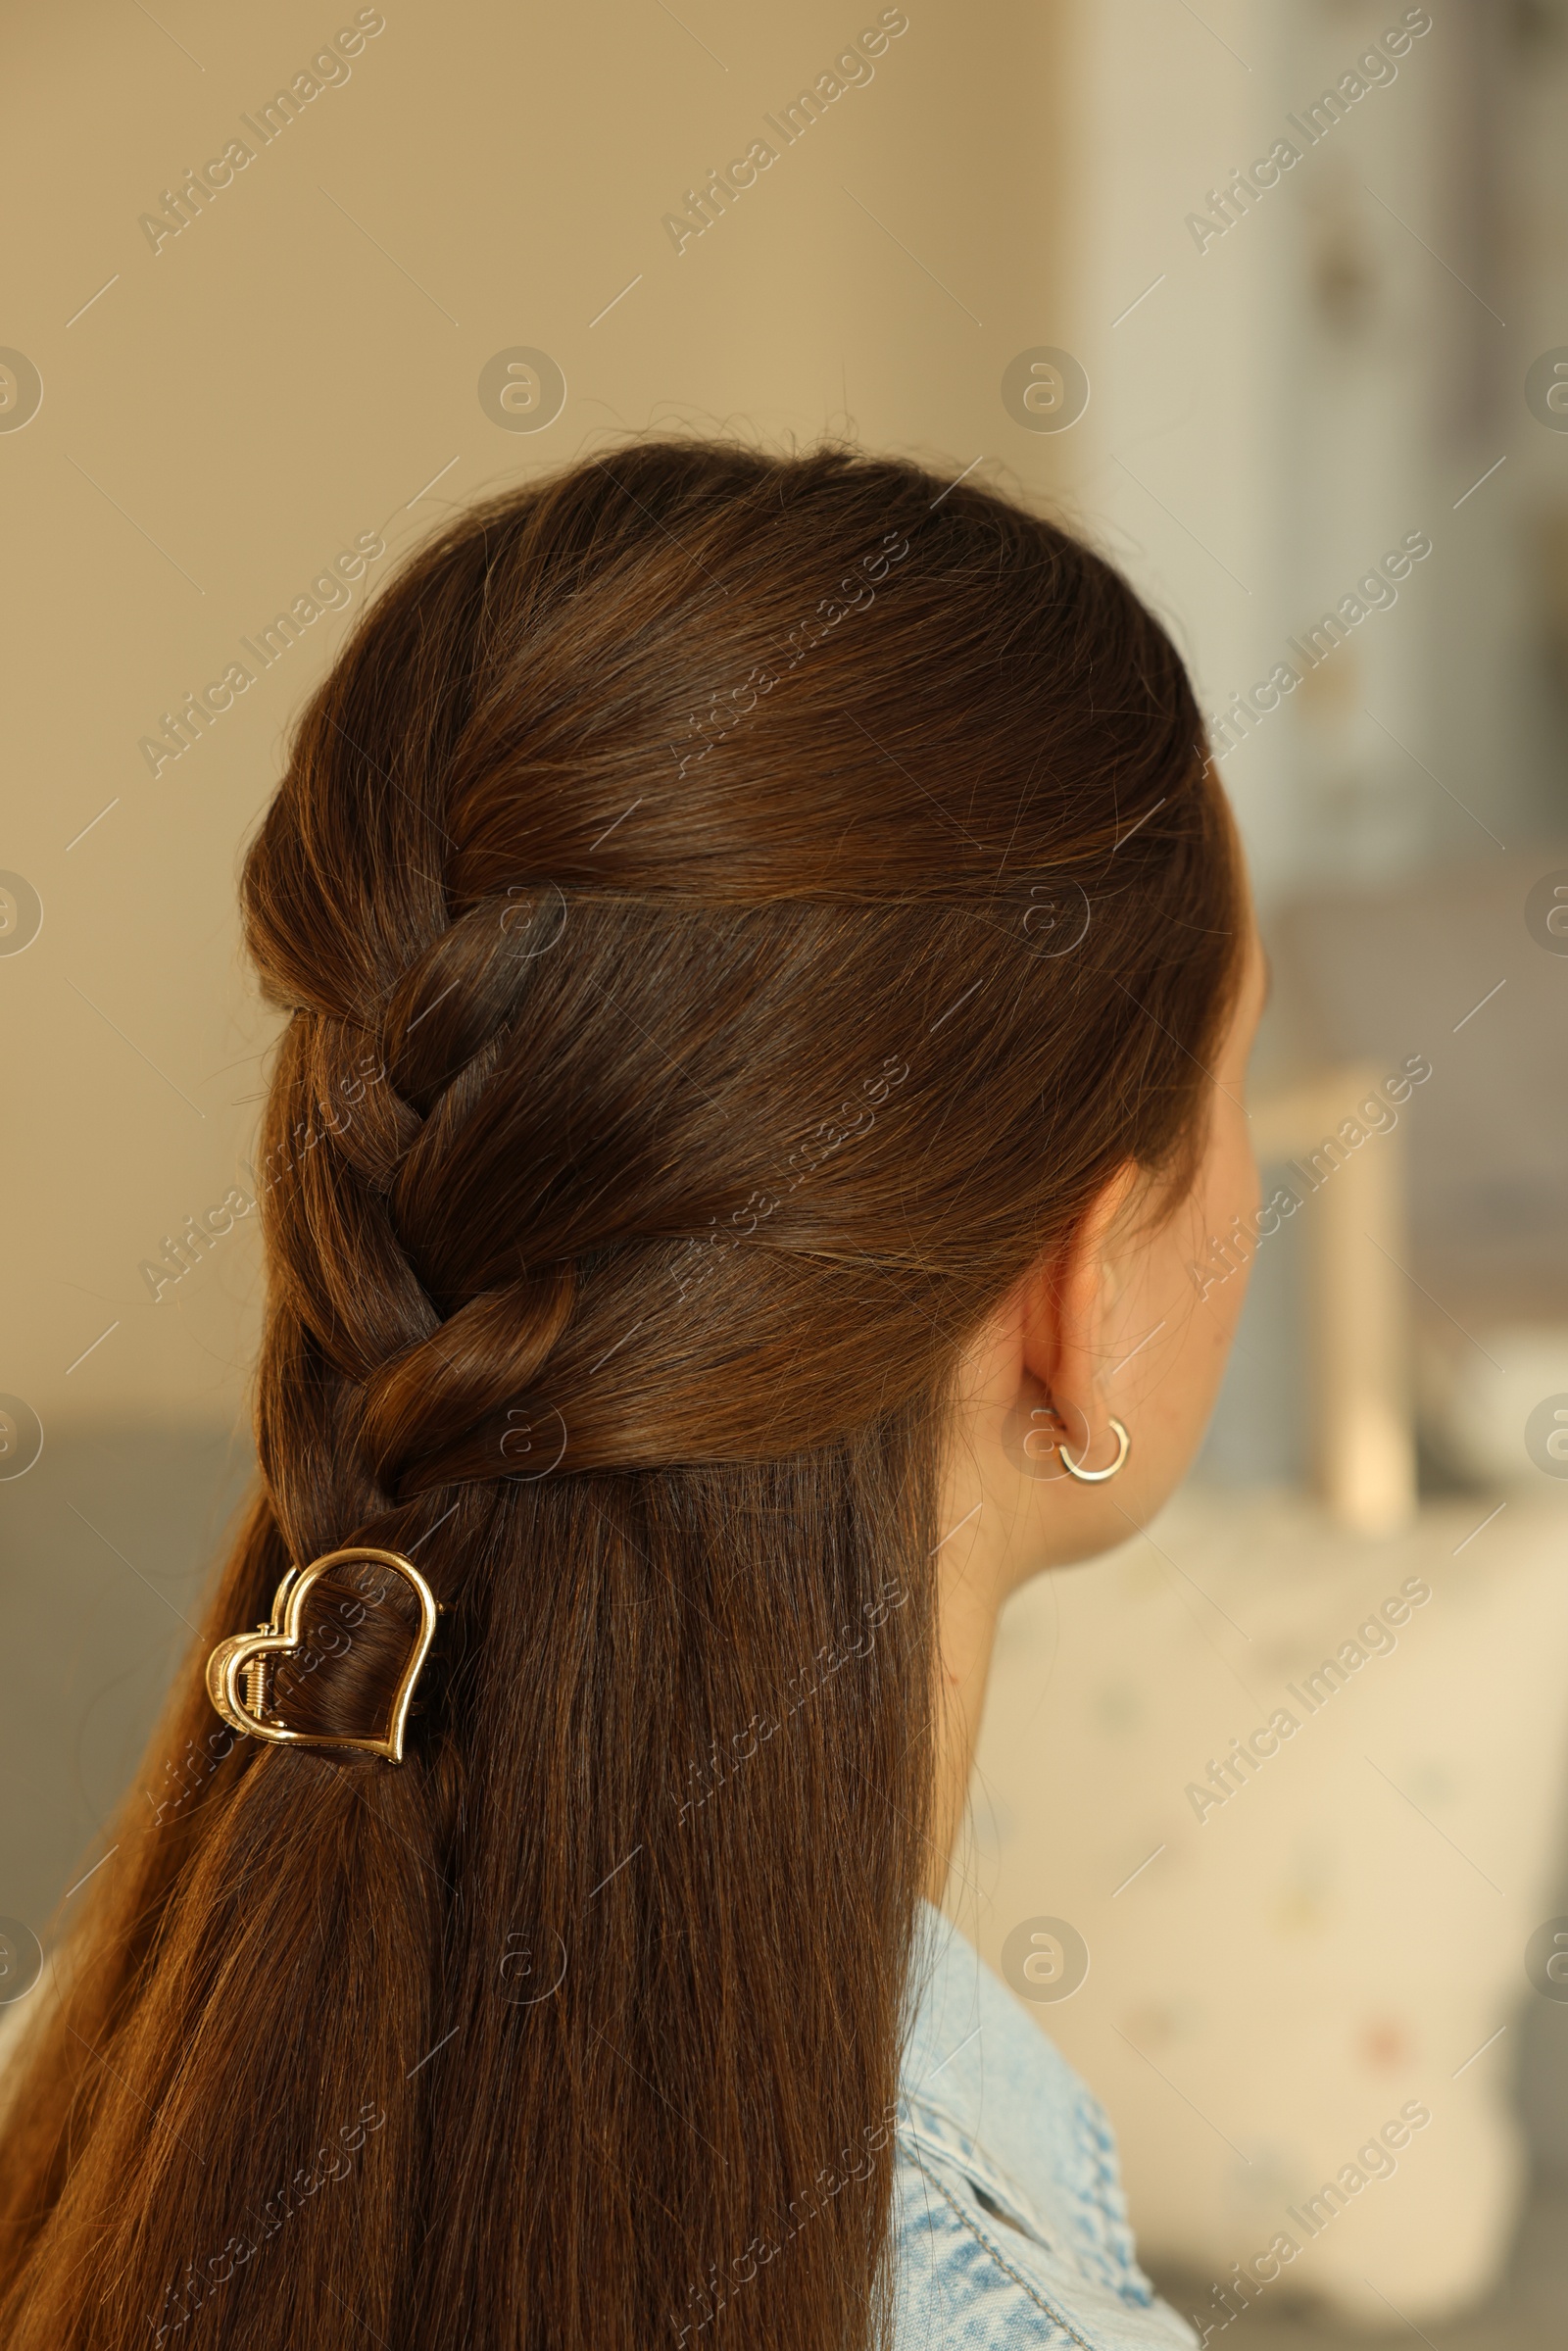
{"x":1097,"y":1477}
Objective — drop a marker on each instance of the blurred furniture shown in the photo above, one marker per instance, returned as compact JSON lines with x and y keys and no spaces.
{"x":1273,"y":1977}
{"x":1446,"y":965}
{"x":1363,"y":1435}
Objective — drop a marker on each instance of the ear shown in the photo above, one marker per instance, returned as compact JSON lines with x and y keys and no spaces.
{"x":1066,"y":1305}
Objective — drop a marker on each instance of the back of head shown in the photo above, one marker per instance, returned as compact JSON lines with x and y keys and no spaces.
{"x":733,"y":912}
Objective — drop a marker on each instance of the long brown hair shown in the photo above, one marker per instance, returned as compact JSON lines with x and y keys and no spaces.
{"x":733,"y":912}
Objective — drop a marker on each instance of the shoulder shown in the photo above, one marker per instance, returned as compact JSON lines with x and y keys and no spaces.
{"x":1010,"y":2224}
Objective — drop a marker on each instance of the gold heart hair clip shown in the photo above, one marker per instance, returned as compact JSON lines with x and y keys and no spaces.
{"x":238,"y":1670}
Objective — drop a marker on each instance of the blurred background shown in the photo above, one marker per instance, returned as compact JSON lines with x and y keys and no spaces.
{"x":1268,"y":301}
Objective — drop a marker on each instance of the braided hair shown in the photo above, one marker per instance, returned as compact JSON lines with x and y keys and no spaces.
{"x":730,"y":914}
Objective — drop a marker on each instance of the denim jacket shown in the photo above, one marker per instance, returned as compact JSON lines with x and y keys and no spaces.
{"x":1012,"y":2226}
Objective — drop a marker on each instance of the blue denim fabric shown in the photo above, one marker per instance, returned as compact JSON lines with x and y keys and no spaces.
{"x":1011,"y":2225}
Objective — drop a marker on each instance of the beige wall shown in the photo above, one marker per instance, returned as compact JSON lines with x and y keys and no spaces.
{"x":292,"y":371}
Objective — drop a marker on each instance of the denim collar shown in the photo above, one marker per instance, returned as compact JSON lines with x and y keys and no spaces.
{"x":980,"y":2083}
